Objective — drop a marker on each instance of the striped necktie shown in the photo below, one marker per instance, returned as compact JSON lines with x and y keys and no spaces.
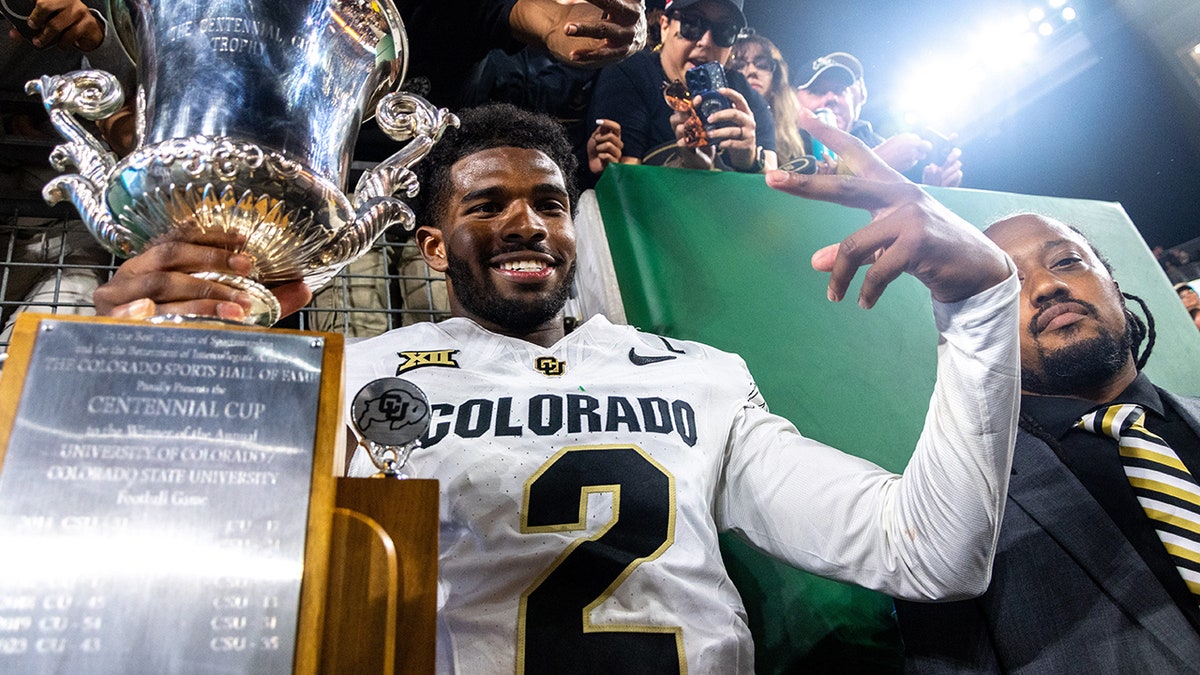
{"x":1163,"y":486}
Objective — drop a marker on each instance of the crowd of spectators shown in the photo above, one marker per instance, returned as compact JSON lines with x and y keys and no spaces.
{"x":629,"y":112}
{"x":601,"y":68}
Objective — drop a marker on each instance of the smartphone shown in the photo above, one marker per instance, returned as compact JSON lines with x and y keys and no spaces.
{"x":942,"y":145}
{"x":704,"y":81}
{"x":17,"y":12}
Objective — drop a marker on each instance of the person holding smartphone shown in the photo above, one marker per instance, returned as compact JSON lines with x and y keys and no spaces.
{"x":836,"y":85}
{"x":740,"y":137}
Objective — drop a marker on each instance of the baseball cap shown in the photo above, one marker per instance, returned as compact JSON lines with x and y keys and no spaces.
{"x":837,"y":64}
{"x":735,"y":5}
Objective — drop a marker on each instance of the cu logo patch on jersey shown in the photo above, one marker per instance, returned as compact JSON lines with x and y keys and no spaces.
{"x":550,"y":366}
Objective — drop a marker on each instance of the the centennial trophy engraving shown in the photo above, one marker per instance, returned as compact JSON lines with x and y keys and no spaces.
{"x":247,"y":113}
{"x":155,"y":516}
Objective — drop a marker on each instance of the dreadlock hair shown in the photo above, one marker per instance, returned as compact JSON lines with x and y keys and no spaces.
{"x":1031,"y":426}
{"x":495,"y":125}
{"x":1140,"y":330}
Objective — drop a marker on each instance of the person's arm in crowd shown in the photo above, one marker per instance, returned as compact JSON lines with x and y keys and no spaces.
{"x":604,"y":146}
{"x":617,"y":97}
{"x":69,"y":24}
{"x":947,"y":174}
{"x":119,"y":129}
{"x":590,"y":33}
{"x":930,"y":533}
{"x":903,"y":151}
{"x":764,"y":121}
{"x":158,"y":281}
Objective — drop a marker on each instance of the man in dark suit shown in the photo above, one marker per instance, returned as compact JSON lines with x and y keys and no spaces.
{"x":1087,"y":578}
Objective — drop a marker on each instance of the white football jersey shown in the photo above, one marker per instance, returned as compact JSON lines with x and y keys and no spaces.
{"x":583,"y":487}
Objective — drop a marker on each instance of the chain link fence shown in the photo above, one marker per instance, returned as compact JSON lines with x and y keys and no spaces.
{"x":52,"y":265}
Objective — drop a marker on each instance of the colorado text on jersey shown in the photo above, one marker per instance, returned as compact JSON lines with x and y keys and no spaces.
{"x":547,"y":414}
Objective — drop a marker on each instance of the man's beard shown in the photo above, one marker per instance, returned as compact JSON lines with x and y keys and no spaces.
{"x":481,"y":298}
{"x":1083,"y":366}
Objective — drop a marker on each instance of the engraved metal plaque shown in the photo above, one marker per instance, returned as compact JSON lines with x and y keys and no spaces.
{"x":154,"y":500}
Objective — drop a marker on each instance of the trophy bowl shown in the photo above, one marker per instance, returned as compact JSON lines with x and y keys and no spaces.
{"x":247,"y":115}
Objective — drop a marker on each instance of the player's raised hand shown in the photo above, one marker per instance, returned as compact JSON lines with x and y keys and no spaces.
{"x":909,"y":231}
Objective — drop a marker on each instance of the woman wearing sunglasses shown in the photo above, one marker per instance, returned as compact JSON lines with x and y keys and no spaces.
{"x":694,"y":32}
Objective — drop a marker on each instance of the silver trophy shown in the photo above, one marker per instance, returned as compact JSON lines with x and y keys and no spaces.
{"x":247,"y":114}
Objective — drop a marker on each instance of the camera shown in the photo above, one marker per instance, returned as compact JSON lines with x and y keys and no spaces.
{"x":704,"y":81}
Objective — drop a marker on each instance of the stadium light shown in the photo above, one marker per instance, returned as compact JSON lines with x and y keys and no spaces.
{"x":938,"y":92}
{"x":943,"y":89}
{"x":999,"y":47}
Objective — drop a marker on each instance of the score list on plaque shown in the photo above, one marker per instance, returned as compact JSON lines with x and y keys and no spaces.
{"x":153,"y":500}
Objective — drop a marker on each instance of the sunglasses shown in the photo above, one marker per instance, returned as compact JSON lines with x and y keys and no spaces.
{"x":692,"y":27}
{"x":680,"y":100}
{"x":763,"y":63}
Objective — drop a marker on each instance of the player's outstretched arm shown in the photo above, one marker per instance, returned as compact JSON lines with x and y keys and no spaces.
{"x":930,"y":533}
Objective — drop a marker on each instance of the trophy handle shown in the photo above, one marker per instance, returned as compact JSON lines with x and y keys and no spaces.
{"x":403,"y":117}
{"x":91,"y":94}
{"x":374,"y":217}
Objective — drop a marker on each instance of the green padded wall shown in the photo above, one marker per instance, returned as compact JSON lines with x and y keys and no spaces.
{"x":723,"y":259}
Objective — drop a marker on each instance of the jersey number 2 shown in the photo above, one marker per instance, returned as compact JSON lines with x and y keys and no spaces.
{"x":555,"y":631}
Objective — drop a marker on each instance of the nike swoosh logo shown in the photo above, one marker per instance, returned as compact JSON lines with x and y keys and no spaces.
{"x":638,"y":360}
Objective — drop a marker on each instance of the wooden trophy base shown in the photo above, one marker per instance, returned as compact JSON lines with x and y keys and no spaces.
{"x":382,"y":588}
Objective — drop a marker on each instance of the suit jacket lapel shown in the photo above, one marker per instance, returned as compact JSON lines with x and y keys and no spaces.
{"x":1042,"y":486}
{"x":1188,"y":409}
